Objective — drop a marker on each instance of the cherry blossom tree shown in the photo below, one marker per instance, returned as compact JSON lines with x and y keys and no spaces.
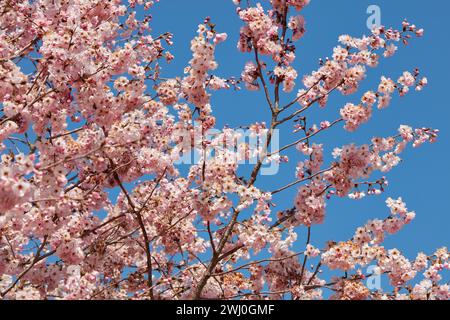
{"x":86,"y":110}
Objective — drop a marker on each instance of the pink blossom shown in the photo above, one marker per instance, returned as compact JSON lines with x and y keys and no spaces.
{"x":297,"y":25}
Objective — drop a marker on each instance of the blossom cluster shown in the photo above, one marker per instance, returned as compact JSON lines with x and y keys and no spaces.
{"x":347,"y":69}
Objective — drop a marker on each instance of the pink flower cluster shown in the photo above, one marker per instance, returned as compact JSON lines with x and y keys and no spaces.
{"x":287,"y":76}
{"x":347,"y":69}
{"x":355,"y":115}
{"x":297,"y":25}
{"x":14,"y":188}
{"x":260,"y":32}
{"x":250,"y":76}
{"x":194,"y":84}
{"x":310,"y":204}
{"x":364,"y":248}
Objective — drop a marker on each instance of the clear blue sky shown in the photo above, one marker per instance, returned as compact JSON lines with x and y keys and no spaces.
{"x":422,"y":179}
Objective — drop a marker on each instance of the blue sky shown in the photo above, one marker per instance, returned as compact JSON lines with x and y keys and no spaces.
{"x":422,"y":179}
